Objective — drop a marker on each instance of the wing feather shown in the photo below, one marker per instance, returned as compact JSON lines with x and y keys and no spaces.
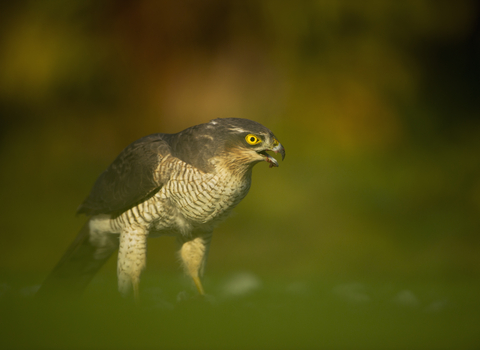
{"x":130,"y":179}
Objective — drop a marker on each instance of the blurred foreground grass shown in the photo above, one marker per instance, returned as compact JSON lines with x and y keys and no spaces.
{"x":246,"y":311}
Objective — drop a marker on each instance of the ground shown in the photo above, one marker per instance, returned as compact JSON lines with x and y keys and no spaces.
{"x":247,"y":310}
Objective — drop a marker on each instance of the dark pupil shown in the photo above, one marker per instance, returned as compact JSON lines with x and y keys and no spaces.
{"x":252,"y":139}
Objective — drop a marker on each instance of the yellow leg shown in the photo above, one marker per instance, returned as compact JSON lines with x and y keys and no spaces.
{"x":198,"y":284}
{"x":193,"y":254}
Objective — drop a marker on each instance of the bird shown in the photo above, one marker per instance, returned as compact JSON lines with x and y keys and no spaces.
{"x":181,"y":184}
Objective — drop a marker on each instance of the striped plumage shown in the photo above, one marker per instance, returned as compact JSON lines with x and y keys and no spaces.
{"x":180,"y":184}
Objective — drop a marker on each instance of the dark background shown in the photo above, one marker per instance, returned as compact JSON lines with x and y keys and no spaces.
{"x":368,"y":232}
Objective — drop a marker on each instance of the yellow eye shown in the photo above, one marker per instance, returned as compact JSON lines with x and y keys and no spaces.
{"x":252,"y":139}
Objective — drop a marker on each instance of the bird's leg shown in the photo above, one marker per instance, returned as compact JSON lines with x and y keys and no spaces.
{"x":193,"y":254}
{"x":131,"y":259}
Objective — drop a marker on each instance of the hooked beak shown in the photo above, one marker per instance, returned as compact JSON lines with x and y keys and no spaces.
{"x":277,"y":148}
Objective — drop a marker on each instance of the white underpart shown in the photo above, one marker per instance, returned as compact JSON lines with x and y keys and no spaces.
{"x":102,"y":236}
{"x":189,"y":205}
{"x":132,"y":254}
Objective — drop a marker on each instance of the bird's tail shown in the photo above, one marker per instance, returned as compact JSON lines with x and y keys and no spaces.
{"x":77,"y":267}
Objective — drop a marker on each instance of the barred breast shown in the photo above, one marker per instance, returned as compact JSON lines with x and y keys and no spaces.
{"x":189,"y":199}
{"x":202,"y":198}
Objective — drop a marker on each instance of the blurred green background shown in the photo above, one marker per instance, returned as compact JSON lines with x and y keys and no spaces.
{"x":366,"y":236}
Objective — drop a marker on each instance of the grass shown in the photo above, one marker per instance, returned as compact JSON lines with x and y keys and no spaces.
{"x":246,"y":311}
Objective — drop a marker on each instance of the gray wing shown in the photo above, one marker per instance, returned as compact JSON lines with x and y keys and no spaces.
{"x":130,"y":179}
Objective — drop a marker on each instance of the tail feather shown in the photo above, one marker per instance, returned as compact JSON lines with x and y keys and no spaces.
{"x":77,"y":267}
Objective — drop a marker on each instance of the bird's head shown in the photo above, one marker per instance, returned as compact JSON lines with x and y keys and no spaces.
{"x":233,"y":143}
{"x":247,"y":142}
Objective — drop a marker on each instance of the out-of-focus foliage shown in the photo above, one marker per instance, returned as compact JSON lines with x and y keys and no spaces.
{"x":376,"y":102}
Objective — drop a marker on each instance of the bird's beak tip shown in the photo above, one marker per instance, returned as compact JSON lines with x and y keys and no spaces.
{"x":279,"y":149}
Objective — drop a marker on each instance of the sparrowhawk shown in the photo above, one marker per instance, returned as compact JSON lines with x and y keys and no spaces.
{"x":180,"y":184}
